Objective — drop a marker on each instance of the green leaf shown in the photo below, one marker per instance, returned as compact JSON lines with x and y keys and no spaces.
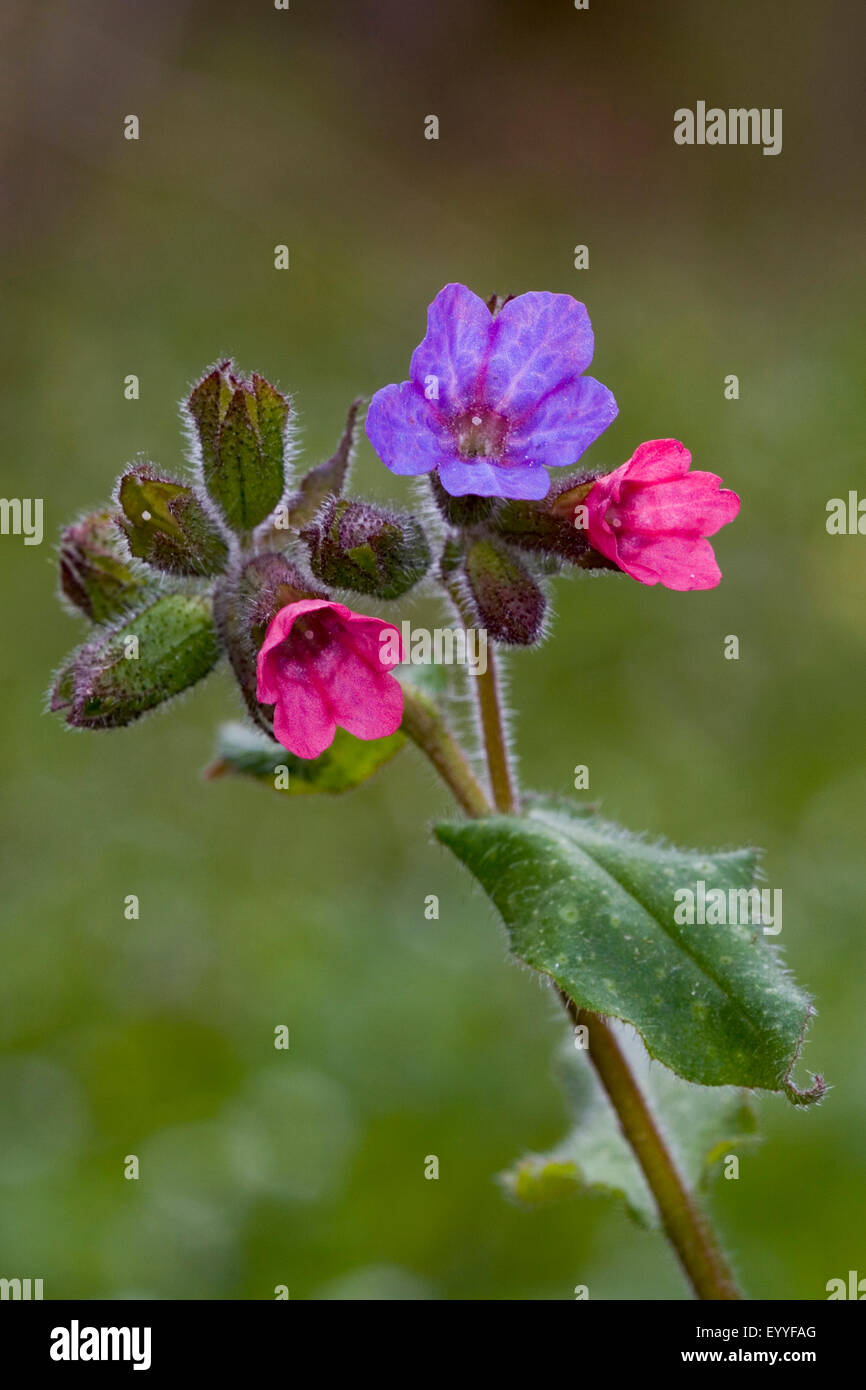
{"x":701,"y":1128}
{"x":139,"y":664}
{"x":592,"y":906}
{"x":349,"y":761}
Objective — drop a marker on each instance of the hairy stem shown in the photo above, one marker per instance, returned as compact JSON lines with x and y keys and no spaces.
{"x":425,"y":725}
{"x":685,"y":1225}
{"x":487,"y":686}
{"x":493,"y":728}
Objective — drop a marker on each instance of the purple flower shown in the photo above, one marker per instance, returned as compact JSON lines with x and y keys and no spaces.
{"x":494,"y":401}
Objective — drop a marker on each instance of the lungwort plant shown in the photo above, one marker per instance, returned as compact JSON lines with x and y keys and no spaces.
{"x":242,"y":558}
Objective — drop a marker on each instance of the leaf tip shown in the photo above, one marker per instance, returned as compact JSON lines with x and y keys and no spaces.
{"x":815,"y":1093}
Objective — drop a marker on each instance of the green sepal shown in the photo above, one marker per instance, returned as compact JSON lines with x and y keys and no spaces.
{"x":62,"y":692}
{"x":139,"y":664}
{"x":241,"y":428}
{"x":367,"y":548}
{"x":95,"y":575}
{"x":549,"y":530}
{"x":166,"y":525}
{"x":508,"y":599}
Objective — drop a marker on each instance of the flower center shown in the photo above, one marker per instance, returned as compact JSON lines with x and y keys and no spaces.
{"x":310,"y":633}
{"x":480,"y":433}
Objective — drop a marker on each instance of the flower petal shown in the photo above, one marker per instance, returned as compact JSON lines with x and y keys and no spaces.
{"x":350,"y":671}
{"x":677,"y":562}
{"x":379,"y":715}
{"x":695,"y":505}
{"x":481,"y":478}
{"x":303,"y":723}
{"x":538,"y":341}
{"x":598,"y":499}
{"x":406,"y":432}
{"x":365,"y":634}
{"x":270,"y":668}
{"x":455,"y":347}
{"x":657,"y":461}
{"x":563,"y":424}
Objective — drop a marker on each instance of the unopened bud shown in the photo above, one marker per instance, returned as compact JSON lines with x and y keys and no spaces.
{"x":139,"y":664}
{"x":359,"y":546}
{"x":62,"y":691}
{"x":242,"y":434}
{"x":94,"y":573}
{"x":509,"y":600}
{"x":166,"y":525}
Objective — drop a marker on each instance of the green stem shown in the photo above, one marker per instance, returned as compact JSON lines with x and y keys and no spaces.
{"x":502,"y":783}
{"x":496,"y":747}
{"x":425,"y":725}
{"x":684,"y":1223}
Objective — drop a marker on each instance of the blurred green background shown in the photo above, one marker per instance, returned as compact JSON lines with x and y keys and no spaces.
{"x":411,"y":1037}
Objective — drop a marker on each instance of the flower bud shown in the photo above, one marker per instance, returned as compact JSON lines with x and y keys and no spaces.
{"x":139,"y":664}
{"x":241,"y":428}
{"x":94,"y":573}
{"x":359,"y":546}
{"x":245,"y":604}
{"x":508,"y":599}
{"x":62,"y":691}
{"x":166,"y":525}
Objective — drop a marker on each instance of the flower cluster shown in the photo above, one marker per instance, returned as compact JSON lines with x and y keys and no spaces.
{"x":243,"y":560}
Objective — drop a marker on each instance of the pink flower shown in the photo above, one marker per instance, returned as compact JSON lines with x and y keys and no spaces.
{"x":321,"y":665}
{"x":651,"y":517}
